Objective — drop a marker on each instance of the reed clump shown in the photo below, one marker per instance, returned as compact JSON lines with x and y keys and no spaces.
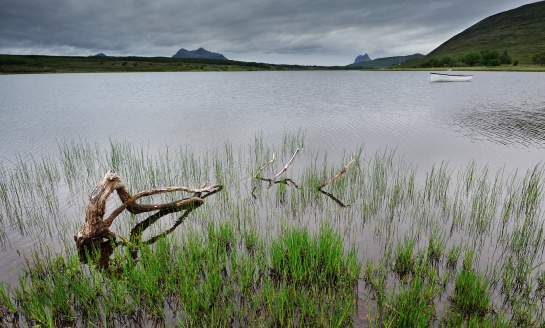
{"x":279,"y":254}
{"x":192,"y":281}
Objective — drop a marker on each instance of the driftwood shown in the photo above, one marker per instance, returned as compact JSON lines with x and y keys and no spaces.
{"x":274,"y":180}
{"x":335,"y":177}
{"x":100,"y":253}
{"x":341,"y":172}
{"x":96,"y":228}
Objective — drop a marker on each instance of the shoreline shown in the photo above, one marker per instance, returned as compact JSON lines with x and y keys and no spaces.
{"x":34,"y":64}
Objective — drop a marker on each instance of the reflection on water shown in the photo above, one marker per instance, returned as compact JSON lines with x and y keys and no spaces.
{"x":100,"y":253}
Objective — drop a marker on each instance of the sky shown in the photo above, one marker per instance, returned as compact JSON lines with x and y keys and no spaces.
{"x":303,"y":32}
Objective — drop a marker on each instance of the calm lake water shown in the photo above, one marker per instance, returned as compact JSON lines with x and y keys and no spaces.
{"x":497,"y":119}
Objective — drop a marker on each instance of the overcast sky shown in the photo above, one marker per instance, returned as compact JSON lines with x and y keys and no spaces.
{"x":308,"y":32}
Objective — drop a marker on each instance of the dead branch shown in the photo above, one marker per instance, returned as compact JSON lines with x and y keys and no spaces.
{"x":265,"y":166}
{"x":96,"y":228}
{"x":106,"y":248}
{"x":289,"y":163}
{"x":341,"y":172}
{"x":274,"y":180}
{"x":180,"y":204}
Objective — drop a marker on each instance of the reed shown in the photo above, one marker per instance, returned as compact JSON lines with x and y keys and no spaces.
{"x":202,"y":281}
{"x":404,"y":261}
{"x":278,"y":254}
{"x":471,"y":294}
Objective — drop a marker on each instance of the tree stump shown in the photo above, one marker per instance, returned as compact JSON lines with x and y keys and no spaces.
{"x":96,"y":228}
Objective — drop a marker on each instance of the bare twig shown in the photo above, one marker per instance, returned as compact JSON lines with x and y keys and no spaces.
{"x":265,"y":166}
{"x":341,"y":172}
{"x":289,"y":163}
{"x":198,"y":194}
{"x":274,"y":180}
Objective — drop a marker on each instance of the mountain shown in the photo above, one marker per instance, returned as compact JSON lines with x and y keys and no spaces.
{"x":520,"y":31}
{"x":362,"y":58}
{"x":199,"y":53}
{"x":100,"y":55}
{"x":385,"y":62}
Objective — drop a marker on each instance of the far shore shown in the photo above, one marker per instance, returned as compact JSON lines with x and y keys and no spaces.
{"x":34,"y":64}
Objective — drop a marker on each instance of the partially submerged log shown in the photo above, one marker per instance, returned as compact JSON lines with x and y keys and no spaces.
{"x":96,"y":228}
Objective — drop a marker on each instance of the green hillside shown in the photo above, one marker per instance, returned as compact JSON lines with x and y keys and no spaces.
{"x":384,"y":62}
{"x":520,"y":31}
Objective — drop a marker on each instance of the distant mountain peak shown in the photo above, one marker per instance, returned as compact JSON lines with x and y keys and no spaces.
{"x":362,"y":58}
{"x":384,"y":62}
{"x":199,"y":53}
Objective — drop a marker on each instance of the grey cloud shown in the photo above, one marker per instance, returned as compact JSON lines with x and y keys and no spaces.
{"x":339,"y":29}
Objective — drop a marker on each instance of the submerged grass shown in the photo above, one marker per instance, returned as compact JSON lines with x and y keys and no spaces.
{"x":446,"y":248}
{"x":194,"y":281}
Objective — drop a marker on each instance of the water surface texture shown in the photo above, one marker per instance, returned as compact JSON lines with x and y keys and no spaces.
{"x":497,"y":118}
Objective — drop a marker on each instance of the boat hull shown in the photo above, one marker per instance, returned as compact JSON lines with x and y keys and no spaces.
{"x":439,"y":77}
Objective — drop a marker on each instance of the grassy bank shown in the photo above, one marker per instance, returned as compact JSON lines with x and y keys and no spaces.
{"x":382,"y":245}
{"x":509,"y":68}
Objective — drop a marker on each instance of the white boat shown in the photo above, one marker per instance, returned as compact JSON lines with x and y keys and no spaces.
{"x":441,"y":77}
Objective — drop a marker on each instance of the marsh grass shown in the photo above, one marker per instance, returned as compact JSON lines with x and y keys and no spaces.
{"x":412,"y":306}
{"x":194,"y":281}
{"x":276,"y":254}
{"x":404,"y":261}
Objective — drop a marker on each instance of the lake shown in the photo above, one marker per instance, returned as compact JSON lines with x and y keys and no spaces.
{"x":497,"y":120}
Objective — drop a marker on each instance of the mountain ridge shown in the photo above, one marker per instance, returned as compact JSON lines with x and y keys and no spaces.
{"x":362,"y":58}
{"x":385,"y":61}
{"x":198,"y":53}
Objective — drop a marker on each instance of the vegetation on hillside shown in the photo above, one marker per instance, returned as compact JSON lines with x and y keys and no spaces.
{"x":482,"y":58}
{"x":520,"y":32}
{"x":539,"y":59}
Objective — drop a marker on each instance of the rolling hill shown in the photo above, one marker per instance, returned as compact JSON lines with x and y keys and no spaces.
{"x":520,"y":31}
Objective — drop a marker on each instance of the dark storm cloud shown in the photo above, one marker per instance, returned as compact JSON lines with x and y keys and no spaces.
{"x":326,"y":32}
